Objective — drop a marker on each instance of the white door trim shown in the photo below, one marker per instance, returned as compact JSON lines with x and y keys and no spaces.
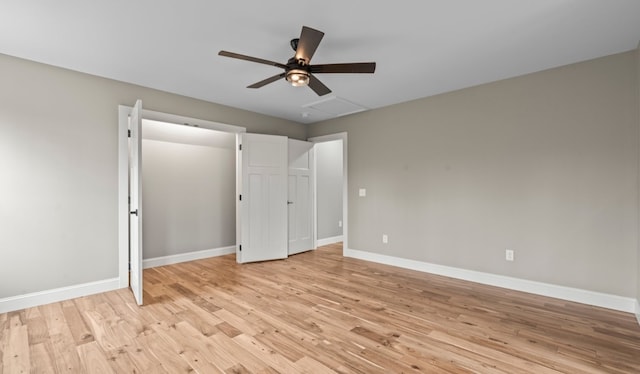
{"x":123,"y":195}
{"x":135,"y":205}
{"x":123,"y":173}
{"x":345,"y":187}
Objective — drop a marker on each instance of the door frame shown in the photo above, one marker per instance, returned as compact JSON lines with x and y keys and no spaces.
{"x":123,"y":172}
{"x":345,"y":188}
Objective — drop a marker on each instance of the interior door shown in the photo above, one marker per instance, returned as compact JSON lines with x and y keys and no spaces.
{"x":262,"y":224}
{"x":135,"y":207}
{"x":300,"y":196}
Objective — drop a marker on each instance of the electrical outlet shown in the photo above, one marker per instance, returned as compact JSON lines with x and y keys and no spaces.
{"x":509,"y":255}
{"x":362,"y":192}
{"x":385,"y":238}
{"x":339,"y":223}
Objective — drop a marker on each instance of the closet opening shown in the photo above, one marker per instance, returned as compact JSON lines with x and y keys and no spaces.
{"x":188,"y":185}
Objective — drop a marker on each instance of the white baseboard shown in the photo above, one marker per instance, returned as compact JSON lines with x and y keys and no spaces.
{"x":29,"y":300}
{"x":327,"y":241}
{"x":625,"y":304}
{"x":184,"y":257}
{"x":9,"y":304}
{"x":638,"y":311}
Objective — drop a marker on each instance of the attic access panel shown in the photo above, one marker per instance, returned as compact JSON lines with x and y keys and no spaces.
{"x":336,"y":106}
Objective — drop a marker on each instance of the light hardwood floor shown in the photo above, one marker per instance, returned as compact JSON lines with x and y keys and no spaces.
{"x":316,"y":312}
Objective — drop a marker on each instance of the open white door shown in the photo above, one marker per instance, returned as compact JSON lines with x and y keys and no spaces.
{"x":262,"y":225}
{"x":135,"y":208}
{"x":300,"y":200}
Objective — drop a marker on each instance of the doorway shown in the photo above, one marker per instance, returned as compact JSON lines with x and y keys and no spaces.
{"x":336,"y":147}
{"x":124,"y":113}
{"x":123,"y":186}
{"x":188,"y":184}
{"x":328,"y":157}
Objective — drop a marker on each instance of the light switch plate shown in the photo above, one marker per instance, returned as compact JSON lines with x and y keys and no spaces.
{"x":362,"y":192}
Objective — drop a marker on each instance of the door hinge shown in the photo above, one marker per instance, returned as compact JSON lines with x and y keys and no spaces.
{"x":239,"y":147}
{"x":129,"y":133}
{"x":240,"y":196}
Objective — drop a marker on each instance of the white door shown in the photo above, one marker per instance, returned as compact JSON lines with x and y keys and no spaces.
{"x":135,"y":207}
{"x":262,"y":184}
{"x":300,"y":200}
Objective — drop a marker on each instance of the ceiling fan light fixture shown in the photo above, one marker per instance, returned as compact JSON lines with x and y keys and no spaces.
{"x":298,"y":77}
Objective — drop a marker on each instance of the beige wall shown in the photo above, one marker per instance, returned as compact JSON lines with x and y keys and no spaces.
{"x":329,"y":185}
{"x":59,"y":170}
{"x":638,"y":111}
{"x":545,"y":164}
{"x":189,"y":197}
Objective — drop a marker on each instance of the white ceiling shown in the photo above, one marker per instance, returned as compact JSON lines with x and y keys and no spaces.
{"x":422,"y":48}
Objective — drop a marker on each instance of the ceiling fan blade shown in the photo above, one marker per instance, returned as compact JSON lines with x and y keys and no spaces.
{"x":267,"y":81}
{"x":252,"y":59}
{"x":355,"y":67}
{"x":317,"y":86}
{"x":308,"y":43}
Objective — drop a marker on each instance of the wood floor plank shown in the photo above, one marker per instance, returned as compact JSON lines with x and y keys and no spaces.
{"x":42,"y":358}
{"x":204,"y":346}
{"x":105,"y":328}
{"x":16,"y":356}
{"x":308,"y":365}
{"x":167,"y":352}
{"x":37,"y":329}
{"x":231,"y":351}
{"x":264,"y":353}
{"x":3,"y":335}
{"x":94,"y":360}
{"x":79,"y":329}
{"x":316,"y":312}
{"x":188,"y":349}
{"x":142,"y":357}
{"x":64,"y":352}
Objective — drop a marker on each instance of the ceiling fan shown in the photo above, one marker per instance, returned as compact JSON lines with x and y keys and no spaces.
{"x":298,"y":70}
